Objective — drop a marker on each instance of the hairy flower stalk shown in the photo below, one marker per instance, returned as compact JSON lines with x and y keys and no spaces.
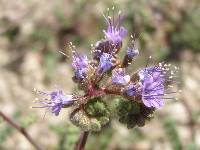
{"x":137,"y":95}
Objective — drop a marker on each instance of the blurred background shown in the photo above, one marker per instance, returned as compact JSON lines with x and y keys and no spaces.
{"x":32,"y":32}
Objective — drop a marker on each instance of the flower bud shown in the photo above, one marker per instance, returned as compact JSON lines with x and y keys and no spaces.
{"x":133,"y":114}
{"x":80,"y":119}
{"x":97,"y":108}
{"x":93,"y":117}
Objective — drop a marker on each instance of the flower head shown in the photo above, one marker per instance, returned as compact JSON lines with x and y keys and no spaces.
{"x":115,"y":32}
{"x":138,"y":94}
{"x":55,"y":101}
{"x":105,"y":63}
{"x":119,"y":77}
{"x":80,"y":65}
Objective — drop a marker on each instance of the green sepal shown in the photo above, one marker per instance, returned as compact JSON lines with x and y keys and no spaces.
{"x":132,"y":113}
{"x":103,"y":120}
{"x":96,"y":108}
{"x":95,"y":125}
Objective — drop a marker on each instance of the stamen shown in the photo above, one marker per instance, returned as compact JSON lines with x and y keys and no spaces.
{"x":113,"y":8}
{"x":63,"y":54}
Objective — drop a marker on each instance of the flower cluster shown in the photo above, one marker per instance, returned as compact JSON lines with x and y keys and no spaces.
{"x":136,"y":96}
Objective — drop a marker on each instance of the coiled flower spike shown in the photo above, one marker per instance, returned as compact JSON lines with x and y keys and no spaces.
{"x":137,"y":96}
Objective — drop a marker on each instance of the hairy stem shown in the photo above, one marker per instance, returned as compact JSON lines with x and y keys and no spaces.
{"x":20,"y":129}
{"x":82,"y":141}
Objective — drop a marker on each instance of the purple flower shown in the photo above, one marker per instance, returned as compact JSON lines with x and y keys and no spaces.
{"x":115,"y":32}
{"x":80,"y":65}
{"x":105,"y":63}
{"x":119,"y":77}
{"x":133,"y":89}
{"x":131,"y":52}
{"x":152,"y":79}
{"x":54,"y":101}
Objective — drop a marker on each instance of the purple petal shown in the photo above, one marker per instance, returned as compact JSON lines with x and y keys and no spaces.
{"x":119,"y":77}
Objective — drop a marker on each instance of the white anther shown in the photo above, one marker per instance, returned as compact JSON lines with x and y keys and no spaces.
{"x":171,"y":86}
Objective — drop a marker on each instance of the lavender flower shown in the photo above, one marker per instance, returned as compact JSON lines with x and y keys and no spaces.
{"x":153,"y":81}
{"x":119,"y":77}
{"x":131,"y":52}
{"x":105,"y":63}
{"x":80,"y":65}
{"x":133,"y":89}
{"x":55,"y":101}
{"x":115,"y":32}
